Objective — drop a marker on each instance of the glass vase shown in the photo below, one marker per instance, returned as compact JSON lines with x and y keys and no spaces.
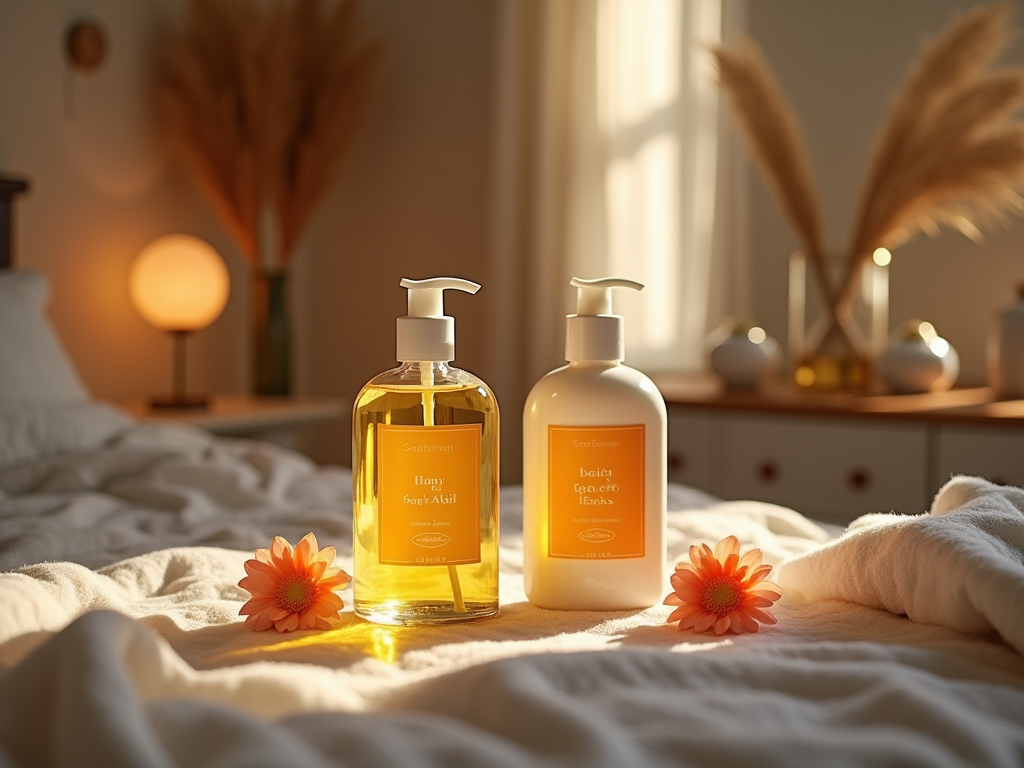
{"x":271,"y":334}
{"x":833,"y":343}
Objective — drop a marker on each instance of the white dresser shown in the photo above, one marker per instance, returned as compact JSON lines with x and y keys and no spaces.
{"x":837,"y":456}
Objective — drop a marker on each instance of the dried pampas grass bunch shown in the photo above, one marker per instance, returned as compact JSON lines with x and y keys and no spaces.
{"x":951,"y":151}
{"x":263,"y":97}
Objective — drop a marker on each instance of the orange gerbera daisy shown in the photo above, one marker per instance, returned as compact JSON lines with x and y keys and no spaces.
{"x":722,"y":591}
{"x":292,"y":590}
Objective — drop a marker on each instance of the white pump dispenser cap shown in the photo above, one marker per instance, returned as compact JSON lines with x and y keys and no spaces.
{"x":426,"y":334}
{"x":594,"y":333}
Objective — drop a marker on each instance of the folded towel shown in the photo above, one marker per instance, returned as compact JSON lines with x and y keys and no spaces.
{"x":960,"y":566}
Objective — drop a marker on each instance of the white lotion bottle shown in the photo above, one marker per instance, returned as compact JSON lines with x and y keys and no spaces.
{"x":594,"y":470}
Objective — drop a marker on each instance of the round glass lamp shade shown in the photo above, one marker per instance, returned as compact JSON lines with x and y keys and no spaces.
{"x":179,"y":283}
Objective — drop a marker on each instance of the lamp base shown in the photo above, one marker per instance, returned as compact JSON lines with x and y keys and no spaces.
{"x":179,"y":402}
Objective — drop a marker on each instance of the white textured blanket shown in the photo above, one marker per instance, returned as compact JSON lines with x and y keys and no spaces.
{"x":144,"y":662}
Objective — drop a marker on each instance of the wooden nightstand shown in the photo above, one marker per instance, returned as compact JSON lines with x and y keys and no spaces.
{"x":837,"y":456}
{"x":275,"y":419}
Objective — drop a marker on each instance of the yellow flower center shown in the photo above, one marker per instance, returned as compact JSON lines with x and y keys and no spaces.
{"x":295,"y":593}
{"x":721,"y":596}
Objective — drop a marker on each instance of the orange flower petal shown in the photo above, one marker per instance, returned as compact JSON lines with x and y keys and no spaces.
{"x":287,"y":624}
{"x":767,"y":589}
{"x":263,"y":555}
{"x":758,"y":574}
{"x":690,"y":620}
{"x":326,"y":555}
{"x":751,"y":559}
{"x":746,"y":623}
{"x":281,"y":554}
{"x":259,"y":584}
{"x":257,"y":604}
{"x":705,"y":622}
{"x":316,"y":570}
{"x":305,"y":551}
{"x":729,"y":566}
{"x":730,"y":545}
{"x":253,"y":567}
{"x":721,"y":624}
{"x":763,"y":616}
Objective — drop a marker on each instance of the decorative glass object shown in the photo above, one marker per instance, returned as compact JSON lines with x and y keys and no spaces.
{"x":272,"y":334}
{"x":742,"y":354}
{"x":918,"y":360}
{"x":833,"y":343}
{"x":1006,"y":351}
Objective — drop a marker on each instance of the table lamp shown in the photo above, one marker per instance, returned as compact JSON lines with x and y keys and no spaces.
{"x":179,"y":284}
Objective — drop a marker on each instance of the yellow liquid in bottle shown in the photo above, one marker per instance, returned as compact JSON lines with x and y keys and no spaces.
{"x":422,"y":395}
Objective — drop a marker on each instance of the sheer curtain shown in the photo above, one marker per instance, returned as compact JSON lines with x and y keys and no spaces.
{"x":609,"y":162}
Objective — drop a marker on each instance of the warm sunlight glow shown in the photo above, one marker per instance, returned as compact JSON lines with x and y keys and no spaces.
{"x":643,"y":195}
{"x":637,"y":62}
{"x":179,"y":283}
{"x":656,"y":109}
{"x":757,"y":335}
{"x":881,"y":257}
{"x":804,"y":376}
{"x":939,"y":346}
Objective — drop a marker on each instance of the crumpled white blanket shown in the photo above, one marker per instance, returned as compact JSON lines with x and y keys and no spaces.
{"x":960,"y":566}
{"x":144,"y":661}
{"x":153,"y":486}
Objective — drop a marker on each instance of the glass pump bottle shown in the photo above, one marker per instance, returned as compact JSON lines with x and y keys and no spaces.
{"x":425,"y":477}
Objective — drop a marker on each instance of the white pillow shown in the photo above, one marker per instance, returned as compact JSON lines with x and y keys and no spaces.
{"x":33,"y":365}
{"x":34,"y":430}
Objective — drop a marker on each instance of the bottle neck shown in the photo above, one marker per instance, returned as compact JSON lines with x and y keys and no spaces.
{"x":426,"y":372}
{"x":592,"y":364}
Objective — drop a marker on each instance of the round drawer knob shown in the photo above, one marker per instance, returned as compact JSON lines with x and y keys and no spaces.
{"x":768,"y":471}
{"x":676,"y":462}
{"x":859,"y":479}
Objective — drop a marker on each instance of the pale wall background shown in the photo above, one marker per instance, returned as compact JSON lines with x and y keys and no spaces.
{"x":839,"y":63}
{"x":414,"y":198}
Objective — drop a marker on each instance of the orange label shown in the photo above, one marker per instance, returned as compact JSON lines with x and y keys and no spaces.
{"x":428,"y":494}
{"x":596,"y":492}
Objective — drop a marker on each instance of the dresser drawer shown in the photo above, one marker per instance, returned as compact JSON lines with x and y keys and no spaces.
{"x":692,"y":455}
{"x":995,"y":454}
{"x":831,"y":470}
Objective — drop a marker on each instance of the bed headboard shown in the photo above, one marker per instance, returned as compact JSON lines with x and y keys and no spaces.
{"x":8,"y":189}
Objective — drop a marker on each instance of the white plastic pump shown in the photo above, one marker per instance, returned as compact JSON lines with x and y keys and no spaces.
{"x":427,"y":334}
{"x":594,"y":333}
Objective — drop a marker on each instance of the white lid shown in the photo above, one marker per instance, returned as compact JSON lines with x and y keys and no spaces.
{"x":426,"y":334}
{"x":594,"y":333}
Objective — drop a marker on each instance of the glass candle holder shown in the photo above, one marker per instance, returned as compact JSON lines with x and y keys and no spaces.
{"x":833,"y":343}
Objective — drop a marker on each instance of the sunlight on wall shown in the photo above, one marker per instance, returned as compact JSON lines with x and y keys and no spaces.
{"x":657,"y":105}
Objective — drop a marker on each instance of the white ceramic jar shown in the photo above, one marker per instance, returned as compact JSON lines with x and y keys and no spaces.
{"x":1006,"y":351}
{"x":918,"y":360}
{"x":742,"y":354}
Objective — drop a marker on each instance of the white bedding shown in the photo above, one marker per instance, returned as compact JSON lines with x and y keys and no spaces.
{"x":121,"y":644}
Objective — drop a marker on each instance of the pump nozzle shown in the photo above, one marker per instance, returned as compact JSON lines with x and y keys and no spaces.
{"x":594,"y":297}
{"x":594,"y":333}
{"x":426,"y":334}
{"x":426,"y":297}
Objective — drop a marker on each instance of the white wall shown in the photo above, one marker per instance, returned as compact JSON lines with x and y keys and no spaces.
{"x":839,"y":63}
{"x":411,"y":201}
